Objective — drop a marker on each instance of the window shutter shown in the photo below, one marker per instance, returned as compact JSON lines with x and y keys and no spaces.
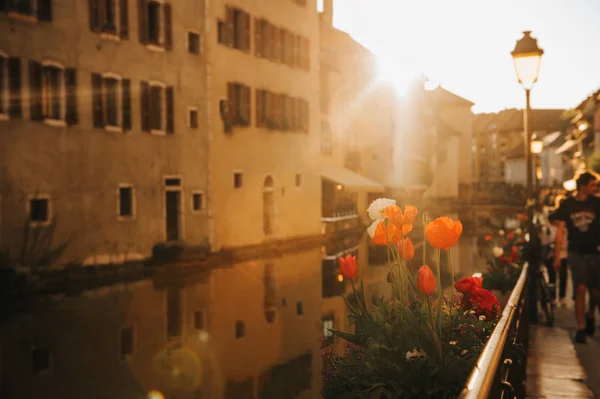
{"x":71,"y":116}
{"x":247,"y":30}
{"x":273,"y":42}
{"x":44,"y":10}
{"x":145,"y":105}
{"x":94,"y":6}
{"x":170,"y":110}
{"x":247,"y":104}
{"x":306,"y":54}
{"x":266,"y":39}
{"x":268,"y":106}
{"x":233,"y":111}
{"x":97,"y":105}
{"x":294,"y":45}
{"x":306,"y":116}
{"x":143,"y":20}
{"x":299,"y":52}
{"x":167,"y":15}
{"x":14,"y":84}
{"x":126,"y":104}
{"x":229,"y":24}
{"x":124,"y":19}
{"x":294,"y":112}
{"x":35,"y":90}
{"x":259,"y":107}
{"x":257,"y":37}
{"x":281,"y":41}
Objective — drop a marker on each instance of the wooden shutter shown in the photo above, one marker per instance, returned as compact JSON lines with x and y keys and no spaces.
{"x":143,"y":20}
{"x":305,"y":116}
{"x":97,"y":101}
{"x":14,"y":84}
{"x":306,"y":54}
{"x":71,"y":117}
{"x":145,"y":105}
{"x":282,"y":46}
{"x":247,"y":104}
{"x":294,"y":113}
{"x":44,"y":10}
{"x":294,"y":44}
{"x":273,"y":42}
{"x":126,"y":104}
{"x":168,"y":25}
{"x":257,"y":37}
{"x":124,"y":19}
{"x":247,"y":30}
{"x":94,"y":9}
{"x":232,"y":100}
{"x":259,"y":107}
{"x":266,"y":39}
{"x":169,"y":96}
{"x":35,"y":91}
{"x":229,"y":25}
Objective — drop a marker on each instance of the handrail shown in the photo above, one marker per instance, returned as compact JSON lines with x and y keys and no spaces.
{"x":482,"y":377}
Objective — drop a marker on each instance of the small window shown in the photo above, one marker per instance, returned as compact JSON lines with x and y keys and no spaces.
{"x":199,"y":320}
{"x":52,"y":95}
{"x":126,"y":202}
{"x":222,"y":32}
{"x":237,"y":180}
{"x":299,"y":308}
{"x":193,"y":118}
{"x":240,"y":329}
{"x":197,"y":202}
{"x":328,"y":323}
{"x":127,"y":342}
{"x":193,"y":43}
{"x":39,"y":210}
{"x":298,"y":179}
{"x":40,"y":359}
{"x":172,"y":182}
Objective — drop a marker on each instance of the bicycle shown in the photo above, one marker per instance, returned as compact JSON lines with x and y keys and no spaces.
{"x":545,"y":294}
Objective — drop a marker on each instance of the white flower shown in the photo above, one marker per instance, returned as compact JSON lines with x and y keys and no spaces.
{"x":482,"y":318}
{"x":453,"y":342}
{"x":497,"y":252}
{"x":471,"y":312}
{"x":416,"y":354}
{"x":501,"y":233}
{"x":377,"y":208}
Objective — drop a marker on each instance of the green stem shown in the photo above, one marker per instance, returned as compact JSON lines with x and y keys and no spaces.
{"x":451,"y":276}
{"x":390,"y":264}
{"x":439,"y":302}
{"x":424,"y":239}
{"x":403,"y":271}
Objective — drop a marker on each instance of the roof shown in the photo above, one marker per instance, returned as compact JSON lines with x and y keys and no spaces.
{"x":511,"y":120}
{"x":350,"y":180}
{"x":446,"y":97}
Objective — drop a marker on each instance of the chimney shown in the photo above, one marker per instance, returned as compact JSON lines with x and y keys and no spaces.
{"x":327,"y":13}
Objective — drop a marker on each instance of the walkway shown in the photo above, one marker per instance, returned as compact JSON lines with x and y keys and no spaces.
{"x":556,"y":367}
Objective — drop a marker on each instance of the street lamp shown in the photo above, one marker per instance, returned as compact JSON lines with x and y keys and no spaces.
{"x":527,"y":57}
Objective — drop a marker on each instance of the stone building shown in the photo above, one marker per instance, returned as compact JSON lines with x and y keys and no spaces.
{"x":103,"y":122}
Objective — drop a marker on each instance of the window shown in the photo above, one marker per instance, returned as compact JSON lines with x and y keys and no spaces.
{"x":126,"y":202}
{"x":39,"y":210}
{"x":327,"y":323}
{"x":199,"y":320}
{"x":234,"y":31}
{"x":193,"y":117}
{"x":298,"y":179}
{"x":240,"y":329}
{"x":110,"y":17}
{"x":299,"y":308}
{"x":193,"y":43}
{"x":155,"y":23}
{"x":127,"y":342}
{"x":197,"y":202}
{"x":111,"y":102}
{"x":157,"y":108}
{"x":237,"y":179}
{"x":238,"y":96}
{"x":40,"y":359}
{"x":13,"y":69}
{"x":53,"y":93}
{"x":40,"y":10}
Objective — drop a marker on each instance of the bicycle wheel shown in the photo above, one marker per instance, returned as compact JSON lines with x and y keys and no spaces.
{"x":546,"y":301}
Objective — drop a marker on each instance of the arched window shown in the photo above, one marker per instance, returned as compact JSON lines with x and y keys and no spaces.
{"x":268,"y":206}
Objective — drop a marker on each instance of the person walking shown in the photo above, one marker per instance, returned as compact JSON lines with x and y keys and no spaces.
{"x":579,"y":215}
{"x":562,"y":271}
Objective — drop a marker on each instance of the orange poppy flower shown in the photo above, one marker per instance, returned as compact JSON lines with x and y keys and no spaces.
{"x":443,"y":232}
{"x":488,"y":238}
{"x":377,"y":231}
{"x":402,"y":220}
{"x":410,"y":249}
{"x":348,"y":266}
{"x":426,"y":280}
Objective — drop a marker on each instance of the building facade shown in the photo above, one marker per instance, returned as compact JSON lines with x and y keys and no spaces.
{"x":104,"y":148}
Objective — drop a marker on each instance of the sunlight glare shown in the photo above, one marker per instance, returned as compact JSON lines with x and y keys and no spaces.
{"x":399,"y":73}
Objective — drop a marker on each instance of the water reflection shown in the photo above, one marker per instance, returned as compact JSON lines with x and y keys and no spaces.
{"x":251,"y":330}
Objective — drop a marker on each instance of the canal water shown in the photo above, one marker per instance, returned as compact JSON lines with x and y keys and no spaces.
{"x":248,"y":330}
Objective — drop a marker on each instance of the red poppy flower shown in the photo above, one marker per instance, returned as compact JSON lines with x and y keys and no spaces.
{"x":348,"y":266}
{"x":467,"y":284}
{"x":425,"y":280}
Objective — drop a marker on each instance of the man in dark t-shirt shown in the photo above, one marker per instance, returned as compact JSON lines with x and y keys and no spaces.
{"x":580,"y":216}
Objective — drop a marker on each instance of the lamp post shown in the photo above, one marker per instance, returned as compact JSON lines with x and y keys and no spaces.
{"x":527,"y":57}
{"x":537,"y":146}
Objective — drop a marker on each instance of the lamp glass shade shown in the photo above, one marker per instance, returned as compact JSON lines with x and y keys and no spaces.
{"x":527,"y":67}
{"x":570,"y":185}
{"x":537,"y":146}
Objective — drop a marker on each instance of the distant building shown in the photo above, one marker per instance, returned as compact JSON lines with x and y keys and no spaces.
{"x":103,"y":121}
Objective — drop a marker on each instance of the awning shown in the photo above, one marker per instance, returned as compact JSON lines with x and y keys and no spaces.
{"x":550,"y":138}
{"x":348,"y":179}
{"x":566,"y":146}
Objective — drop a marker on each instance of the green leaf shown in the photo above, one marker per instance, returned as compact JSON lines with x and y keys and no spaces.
{"x":352,"y":338}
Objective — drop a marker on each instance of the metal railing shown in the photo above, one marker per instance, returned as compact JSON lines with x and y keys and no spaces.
{"x":501,"y":368}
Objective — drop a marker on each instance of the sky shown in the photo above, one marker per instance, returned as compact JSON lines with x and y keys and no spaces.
{"x":466,"y":45}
